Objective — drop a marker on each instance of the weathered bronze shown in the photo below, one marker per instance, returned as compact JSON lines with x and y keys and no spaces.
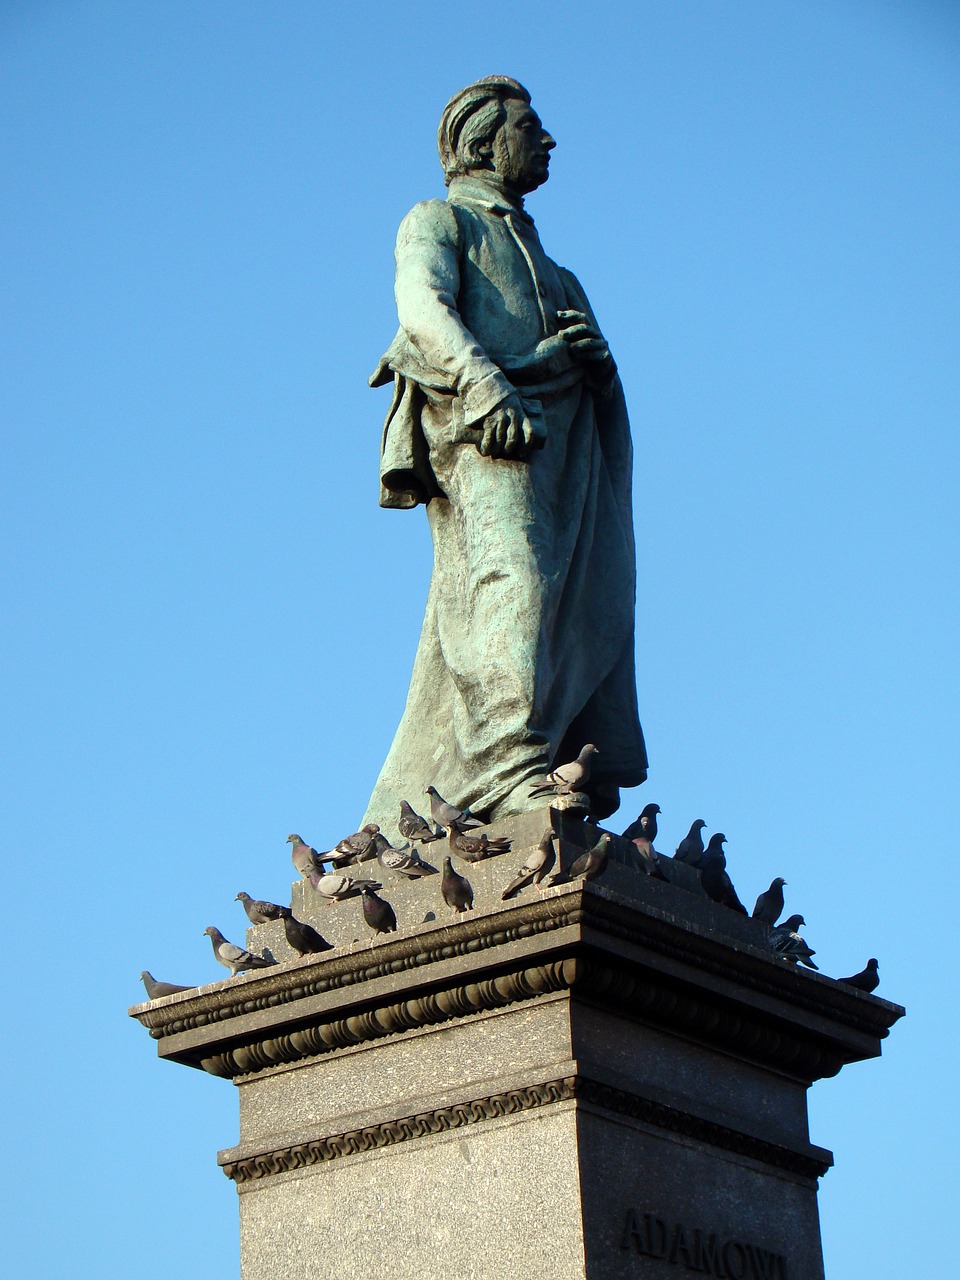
{"x":508,"y":422}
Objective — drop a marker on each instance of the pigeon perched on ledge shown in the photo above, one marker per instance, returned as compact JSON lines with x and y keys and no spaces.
{"x":690,"y":848}
{"x":156,"y":990}
{"x":406,"y":862}
{"x":537,"y":866}
{"x":359,"y":847}
{"x":645,"y":826}
{"x":258,"y":911}
{"x":378,"y":913}
{"x":412,"y":827}
{"x":232,"y":957}
{"x":445,"y":815}
{"x":335,"y":887}
{"x":867,"y":979}
{"x":303,"y":937}
{"x":786,"y":942}
{"x":456,"y":890}
{"x":476,"y":848}
{"x":306,"y":860}
{"x":589,"y":865}
{"x":770,"y":904}
{"x":713,"y":875}
{"x":568,"y":778}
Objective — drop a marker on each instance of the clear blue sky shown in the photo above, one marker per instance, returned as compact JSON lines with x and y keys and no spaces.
{"x":209,"y":623}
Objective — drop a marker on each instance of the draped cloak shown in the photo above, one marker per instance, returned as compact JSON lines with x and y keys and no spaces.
{"x":527,"y":646}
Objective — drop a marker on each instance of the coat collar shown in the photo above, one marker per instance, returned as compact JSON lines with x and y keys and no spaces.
{"x":487,"y":195}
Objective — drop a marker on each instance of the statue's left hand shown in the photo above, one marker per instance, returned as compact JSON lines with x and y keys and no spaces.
{"x":584,"y":338}
{"x":507,"y":432}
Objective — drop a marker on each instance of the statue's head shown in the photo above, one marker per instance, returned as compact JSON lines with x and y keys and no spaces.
{"x":490,"y":129}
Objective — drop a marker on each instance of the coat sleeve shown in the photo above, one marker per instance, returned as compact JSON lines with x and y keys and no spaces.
{"x":428,"y":281}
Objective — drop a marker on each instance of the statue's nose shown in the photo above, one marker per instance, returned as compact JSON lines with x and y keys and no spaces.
{"x":549,"y":142}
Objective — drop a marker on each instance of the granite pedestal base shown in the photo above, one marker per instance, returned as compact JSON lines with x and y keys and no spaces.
{"x":603,"y":1081}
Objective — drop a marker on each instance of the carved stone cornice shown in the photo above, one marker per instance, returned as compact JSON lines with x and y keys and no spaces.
{"x":647,"y":963}
{"x":253,"y":1166}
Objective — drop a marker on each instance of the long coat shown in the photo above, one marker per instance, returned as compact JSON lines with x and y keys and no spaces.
{"x":527,"y":647}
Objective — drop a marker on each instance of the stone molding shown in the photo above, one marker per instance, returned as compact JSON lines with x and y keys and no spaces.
{"x":243,"y":1169}
{"x":617,"y":952}
{"x":663,"y":1003}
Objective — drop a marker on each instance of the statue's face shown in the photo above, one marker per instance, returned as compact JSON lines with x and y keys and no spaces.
{"x":521,"y":148}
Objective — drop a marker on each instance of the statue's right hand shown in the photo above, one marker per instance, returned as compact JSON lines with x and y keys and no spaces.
{"x":506,"y":431}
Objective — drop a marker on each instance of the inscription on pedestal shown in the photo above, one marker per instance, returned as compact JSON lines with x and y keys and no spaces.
{"x":698,"y":1249}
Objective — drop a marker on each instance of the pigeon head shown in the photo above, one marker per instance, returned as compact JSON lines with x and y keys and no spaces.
{"x":294,"y":839}
{"x":793,"y":923}
{"x":698,"y":825}
{"x":778,"y":881}
{"x":649,"y":810}
{"x":873,"y":964}
{"x":242,"y":897}
{"x":588,"y":751}
{"x":716,"y":841}
{"x":371,"y":829}
{"x":213,"y":932}
{"x":430,"y":791}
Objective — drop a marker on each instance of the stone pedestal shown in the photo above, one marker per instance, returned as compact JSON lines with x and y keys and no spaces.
{"x":603,"y":1080}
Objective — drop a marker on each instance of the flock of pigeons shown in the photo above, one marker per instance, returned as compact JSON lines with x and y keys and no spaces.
{"x":711,"y":864}
{"x":328,"y":875}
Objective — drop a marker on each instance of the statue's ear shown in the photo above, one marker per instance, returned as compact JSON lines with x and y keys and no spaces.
{"x":478,"y":154}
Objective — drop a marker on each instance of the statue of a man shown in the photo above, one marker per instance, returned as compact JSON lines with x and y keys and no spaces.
{"x":508,"y":422}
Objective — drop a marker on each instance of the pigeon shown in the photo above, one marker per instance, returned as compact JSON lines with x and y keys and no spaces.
{"x":359,"y":847}
{"x":642,"y":834}
{"x":335,"y":887}
{"x":713,"y":875}
{"x":378,"y":913}
{"x":445,"y":815}
{"x":690,"y":848}
{"x":303,"y":937}
{"x":232,"y":957}
{"x":405,"y":861}
{"x":770,"y":904}
{"x":413,"y":827}
{"x":786,"y":941}
{"x":539,"y":864}
{"x":456,"y":889}
{"x":258,"y":911}
{"x":306,"y":860}
{"x":589,"y":865}
{"x":645,"y":827}
{"x":867,"y":979}
{"x":476,"y":848}
{"x":567,"y":778}
{"x":155,"y":989}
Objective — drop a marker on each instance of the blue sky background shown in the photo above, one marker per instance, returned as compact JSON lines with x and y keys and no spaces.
{"x":209,"y":624}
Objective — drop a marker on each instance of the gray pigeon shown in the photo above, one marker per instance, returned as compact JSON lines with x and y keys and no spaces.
{"x":476,"y":848}
{"x":359,"y":847}
{"x":589,"y":865}
{"x":155,"y":989}
{"x":690,"y":848}
{"x":456,"y":890}
{"x":306,"y":860}
{"x":258,"y":911}
{"x":786,"y":941}
{"x":232,"y":957}
{"x":867,"y":979}
{"x":770,"y":904}
{"x":645,"y":826}
{"x":445,"y":815}
{"x":567,"y":778}
{"x":407,"y":862}
{"x":537,"y":866}
{"x":378,"y":913}
{"x":713,"y":875}
{"x":335,"y":887}
{"x":303,"y":937}
{"x":412,"y":827}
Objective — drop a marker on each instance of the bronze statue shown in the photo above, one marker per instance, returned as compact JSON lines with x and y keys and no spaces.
{"x":508,"y":422}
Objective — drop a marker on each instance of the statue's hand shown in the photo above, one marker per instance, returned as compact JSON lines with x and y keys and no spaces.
{"x":583,"y":337}
{"x":507,"y":432}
